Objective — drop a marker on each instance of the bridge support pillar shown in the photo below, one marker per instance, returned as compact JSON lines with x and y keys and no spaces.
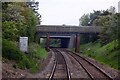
{"x":72,"y":41}
{"x":48,"y":42}
{"x":77,"y":46}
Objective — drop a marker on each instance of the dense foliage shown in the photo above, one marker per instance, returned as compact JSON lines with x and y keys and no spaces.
{"x":37,"y":51}
{"x":13,"y":53}
{"x":24,"y":61}
{"x":106,"y":54}
{"x":106,"y":49}
{"x":18,"y":20}
{"x":107,"y":19}
{"x":118,"y":29}
{"x":84,"y":20}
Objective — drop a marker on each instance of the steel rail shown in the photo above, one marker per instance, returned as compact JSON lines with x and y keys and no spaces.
{"x":54,"y":67}
{"x":83,"y":67}
{"x":68,"y":70}
{"x":102,"y":71}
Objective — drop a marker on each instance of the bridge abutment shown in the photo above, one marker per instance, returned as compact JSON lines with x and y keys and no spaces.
{"x":77,"y":43}
{"x":72,"y":42}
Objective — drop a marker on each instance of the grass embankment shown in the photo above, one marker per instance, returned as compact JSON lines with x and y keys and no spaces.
{"x":37,"y":51}
{"x":106,"y":54}
{"x":10,"y":51}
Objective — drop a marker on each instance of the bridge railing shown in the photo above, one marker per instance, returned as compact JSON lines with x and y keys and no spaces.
{"x":79,"y":29}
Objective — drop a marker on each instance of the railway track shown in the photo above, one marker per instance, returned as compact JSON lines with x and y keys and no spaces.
{"x":60,"y":68}
{"x":91,"y":69}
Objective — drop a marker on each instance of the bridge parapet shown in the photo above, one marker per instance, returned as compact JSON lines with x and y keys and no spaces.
{"x":71,"y":29}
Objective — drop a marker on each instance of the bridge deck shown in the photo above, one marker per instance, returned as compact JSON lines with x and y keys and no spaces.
{"x":72,"y":29}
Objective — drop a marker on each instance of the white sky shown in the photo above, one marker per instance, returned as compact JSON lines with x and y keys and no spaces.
{"x":59,"y":12}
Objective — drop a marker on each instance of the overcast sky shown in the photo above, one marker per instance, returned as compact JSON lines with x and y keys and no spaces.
{"x":59,"y":12}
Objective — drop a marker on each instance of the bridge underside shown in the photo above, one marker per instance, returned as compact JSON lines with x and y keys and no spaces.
{"x":67,"y":41}
{"x":59,"y":41}
{"x":73,"y":41}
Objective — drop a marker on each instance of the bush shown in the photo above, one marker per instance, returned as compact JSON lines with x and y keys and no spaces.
{"x":37,"y":51}
{"x":11,"y":52}
{"x":107,"y":54}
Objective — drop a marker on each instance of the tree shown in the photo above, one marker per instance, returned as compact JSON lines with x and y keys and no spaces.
{"x":105,"y":23}
{"x":94,"y":16}
{"x":18,"y":20}
{"x":108,"y":22}
{"x":34,"y":7}
{"x":12,"y":21}
{"x":111,"y":10}
{"x":118,"y":29}
{"x":84,"y":20}
{"x":104,"y":18}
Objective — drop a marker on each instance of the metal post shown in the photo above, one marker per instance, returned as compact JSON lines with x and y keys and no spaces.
{"x":77,"y":46}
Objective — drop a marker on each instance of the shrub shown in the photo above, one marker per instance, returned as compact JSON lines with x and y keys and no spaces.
{"x":37,"y":51}
{"x":106,"y":54}
{"x":11,"y":52}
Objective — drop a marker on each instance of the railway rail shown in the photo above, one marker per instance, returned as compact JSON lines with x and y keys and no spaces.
{"x":92,"y":70}
{"x":60,"y":68}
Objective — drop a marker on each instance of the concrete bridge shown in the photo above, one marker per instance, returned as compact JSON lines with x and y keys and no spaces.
{"x":69,"y":35}
{"x":67,"y":29}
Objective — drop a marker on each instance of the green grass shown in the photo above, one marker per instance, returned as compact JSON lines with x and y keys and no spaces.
{"x":0,"y":46}
{"x":10,"y":51}
{"x":37,"y":51}
{"x":0,"y":40}
{"x":106,"y":54}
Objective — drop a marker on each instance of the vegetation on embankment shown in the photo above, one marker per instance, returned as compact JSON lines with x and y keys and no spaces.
{"x":107,"y":54}
{"x":10,"y":51}
{"x":20,"y":19}
{"x":102,"y":47}
{"x":37,"y":51}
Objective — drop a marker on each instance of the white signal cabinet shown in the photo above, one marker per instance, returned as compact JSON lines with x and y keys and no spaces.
{"x":23,"y":44}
